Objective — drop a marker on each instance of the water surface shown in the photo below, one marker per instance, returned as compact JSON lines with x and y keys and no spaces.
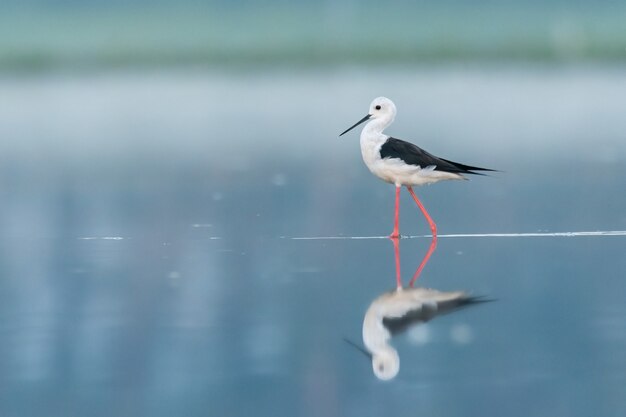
{"x":147,"y":265}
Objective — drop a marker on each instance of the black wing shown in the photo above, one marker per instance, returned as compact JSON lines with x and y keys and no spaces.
{"x":428,"y":312}
{"x":398,"y":325}
{"x":414,"y":155}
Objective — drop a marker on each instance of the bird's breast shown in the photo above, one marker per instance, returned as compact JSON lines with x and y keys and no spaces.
{"x":370,"y":150}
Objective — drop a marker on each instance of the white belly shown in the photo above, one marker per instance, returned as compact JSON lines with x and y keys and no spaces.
{"x":395,"y":171}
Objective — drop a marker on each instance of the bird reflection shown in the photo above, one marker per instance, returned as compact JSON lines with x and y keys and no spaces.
{"x":396,"y":311}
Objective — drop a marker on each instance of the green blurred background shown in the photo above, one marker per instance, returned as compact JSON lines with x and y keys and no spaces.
{"x":46,"y":35}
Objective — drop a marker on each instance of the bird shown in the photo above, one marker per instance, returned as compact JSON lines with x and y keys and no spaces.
{"x":395,"y":312}
{"x":402,"y":163}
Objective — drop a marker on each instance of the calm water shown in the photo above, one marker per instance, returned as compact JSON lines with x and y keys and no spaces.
{"x":147,"y":266}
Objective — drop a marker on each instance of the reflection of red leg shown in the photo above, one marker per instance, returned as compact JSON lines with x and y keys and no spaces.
{"x":433,"y":242}
{"x":431,"y":249}
{"x":396,"y":252}
{"x":396,"y":229}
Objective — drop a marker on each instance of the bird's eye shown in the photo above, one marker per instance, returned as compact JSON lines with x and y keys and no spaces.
{"x":377,"y":107}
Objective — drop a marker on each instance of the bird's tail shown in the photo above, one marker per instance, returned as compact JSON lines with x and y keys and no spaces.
{"x":468,"y":169}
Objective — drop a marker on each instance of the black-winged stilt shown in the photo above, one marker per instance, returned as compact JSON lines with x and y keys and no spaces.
{"x":402,"y":163}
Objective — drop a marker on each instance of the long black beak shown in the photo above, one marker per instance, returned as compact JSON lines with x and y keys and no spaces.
{"x":357,"y":347}
{"x":356,"y":124}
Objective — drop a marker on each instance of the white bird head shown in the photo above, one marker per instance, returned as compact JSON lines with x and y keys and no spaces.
{"x":382,"y":110}
{"x":386,"y":363}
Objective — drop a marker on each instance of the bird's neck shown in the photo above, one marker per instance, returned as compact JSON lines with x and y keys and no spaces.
{"x":372,"y":133}
{"x":375,"y":127}
{"x":375,"y":335}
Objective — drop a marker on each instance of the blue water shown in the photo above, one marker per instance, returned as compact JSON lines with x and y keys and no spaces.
{"x":147,"y":266}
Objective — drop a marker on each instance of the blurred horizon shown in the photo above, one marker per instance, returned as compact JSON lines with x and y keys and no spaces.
{"x":61,"y":35}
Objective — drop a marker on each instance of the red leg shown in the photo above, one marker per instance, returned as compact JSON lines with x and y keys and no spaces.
{"x":433,"y":243}
{"x":396,"y":252}
{"x":431,"y":223}
{"x":396,"y":229}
